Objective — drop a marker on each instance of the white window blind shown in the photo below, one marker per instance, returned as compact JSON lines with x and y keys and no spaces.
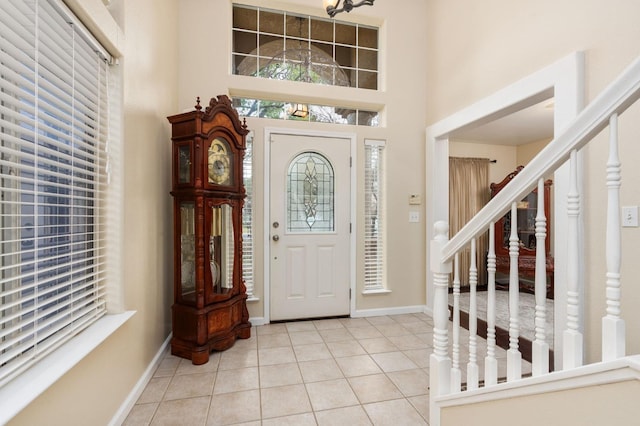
{"x":374,"y":258}
{"x":54,"y":127}
{"x":247,"y":217}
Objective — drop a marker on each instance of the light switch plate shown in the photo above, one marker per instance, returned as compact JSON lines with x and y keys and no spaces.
{"x":630,"y":216}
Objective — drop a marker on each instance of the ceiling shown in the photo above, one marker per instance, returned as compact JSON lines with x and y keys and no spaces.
{"x":528,"y":125}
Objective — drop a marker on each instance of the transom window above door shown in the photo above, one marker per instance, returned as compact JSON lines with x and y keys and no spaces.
{"x":285,"y":46}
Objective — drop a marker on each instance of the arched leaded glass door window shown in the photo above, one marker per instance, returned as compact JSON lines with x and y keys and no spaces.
{"x":310,"y":194}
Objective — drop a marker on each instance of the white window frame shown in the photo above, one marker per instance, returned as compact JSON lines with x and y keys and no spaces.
{"x":248,"y":220}
{"x":45,"y":370}
{"x":374,"y":205}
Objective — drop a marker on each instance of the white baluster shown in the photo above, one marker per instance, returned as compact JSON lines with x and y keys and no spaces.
{"x":472,"y":365}
{"x":514,"y":357}
{"x":572,"y":337}
{"x":456,"y":374}
{"x":439,"y":362}
{"x":540,"y":347}
{"x":613,"y":327}
{"x":490,"y":362}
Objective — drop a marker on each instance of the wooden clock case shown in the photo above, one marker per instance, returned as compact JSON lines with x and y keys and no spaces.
{"x":209,"y":310}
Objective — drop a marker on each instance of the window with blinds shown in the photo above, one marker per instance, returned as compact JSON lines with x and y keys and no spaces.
{"x":374,"y":258}
{"x":54,"y":128}
{"x":247,"y":217}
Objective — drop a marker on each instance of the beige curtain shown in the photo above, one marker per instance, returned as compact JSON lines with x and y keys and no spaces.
{"x":468,"y":193}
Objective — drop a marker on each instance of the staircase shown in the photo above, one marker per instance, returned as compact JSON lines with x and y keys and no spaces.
{"x":616,"y":368}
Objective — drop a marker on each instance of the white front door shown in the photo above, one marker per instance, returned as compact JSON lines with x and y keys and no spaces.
{"x":309,"y":226}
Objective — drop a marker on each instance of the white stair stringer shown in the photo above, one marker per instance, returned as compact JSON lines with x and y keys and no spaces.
{"x":602,"y":373}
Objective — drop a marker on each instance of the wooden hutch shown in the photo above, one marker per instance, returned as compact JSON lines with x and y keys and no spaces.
{"x":526,"y":214}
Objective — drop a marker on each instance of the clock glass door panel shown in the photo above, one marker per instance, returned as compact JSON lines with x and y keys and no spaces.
{"x":187,"y":251}
{"x":221,"y":249}
{"x":184,"y":163}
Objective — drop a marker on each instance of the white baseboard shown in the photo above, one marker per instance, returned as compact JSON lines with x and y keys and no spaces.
{"x":137,"y":390}
{"x":255,"y":321}
{"x":389,"y":311}
{"x":600,"y":373}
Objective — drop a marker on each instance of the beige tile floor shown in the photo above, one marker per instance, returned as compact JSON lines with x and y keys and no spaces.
{"x":347,"y":371}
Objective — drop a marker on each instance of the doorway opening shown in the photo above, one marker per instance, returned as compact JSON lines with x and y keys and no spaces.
{"x":564,"y":81}
{"x":309,"y":256}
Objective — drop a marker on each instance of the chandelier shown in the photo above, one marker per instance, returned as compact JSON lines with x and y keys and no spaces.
{"x":347,"y":5}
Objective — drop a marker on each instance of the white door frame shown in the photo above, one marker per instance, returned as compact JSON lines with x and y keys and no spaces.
{"x":268,"y":131}
{"x":563,"y":80}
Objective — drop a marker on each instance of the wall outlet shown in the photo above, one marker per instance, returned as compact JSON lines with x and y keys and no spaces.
{"x":630,"y":217}
{"x":414,"y":217}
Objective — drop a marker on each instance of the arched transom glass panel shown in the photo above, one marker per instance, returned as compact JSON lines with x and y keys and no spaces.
{"x":310,"y":194}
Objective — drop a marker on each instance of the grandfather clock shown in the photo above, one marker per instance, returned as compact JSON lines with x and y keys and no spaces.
{"x":209,"y":310}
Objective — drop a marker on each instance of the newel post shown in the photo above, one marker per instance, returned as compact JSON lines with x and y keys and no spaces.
{"x":439,"y":363}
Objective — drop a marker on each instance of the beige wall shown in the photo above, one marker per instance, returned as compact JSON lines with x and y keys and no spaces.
{"x":610,"y":404}
{"x":504,"y":155}
{"x":204,"y":71}
{"x":437,"y":59}
{"x":92,"y":392}
{"x":500,"y":41}
{"x":526,"y":152}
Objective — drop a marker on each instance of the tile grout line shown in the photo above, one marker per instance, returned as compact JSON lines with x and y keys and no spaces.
{"x":334,"y":358}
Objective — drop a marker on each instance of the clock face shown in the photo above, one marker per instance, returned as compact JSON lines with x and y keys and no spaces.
{"x":219,"y":162}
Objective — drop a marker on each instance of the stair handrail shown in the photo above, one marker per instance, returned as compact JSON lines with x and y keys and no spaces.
{"x":615,"y":98}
